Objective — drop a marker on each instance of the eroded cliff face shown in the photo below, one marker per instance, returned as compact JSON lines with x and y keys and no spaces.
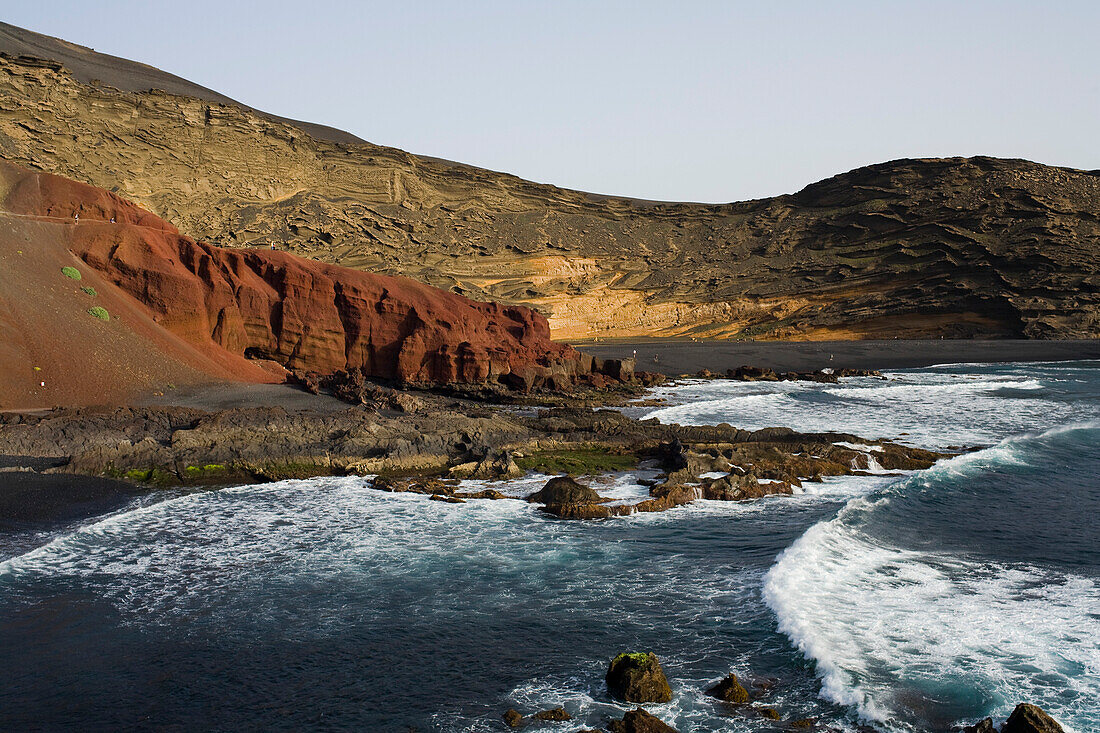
{"x":911,"y":248}
{"x":249,"y":304}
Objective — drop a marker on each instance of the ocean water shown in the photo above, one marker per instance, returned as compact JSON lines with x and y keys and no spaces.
{"x":903,"y":603}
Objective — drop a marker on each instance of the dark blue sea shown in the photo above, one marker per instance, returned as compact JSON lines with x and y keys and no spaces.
{"x":904,"y":603}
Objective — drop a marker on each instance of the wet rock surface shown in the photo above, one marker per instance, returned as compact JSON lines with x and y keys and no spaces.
{"x":434,"y":448}
{"x":730,"y":690}
{"x":637,"y":677}
{"x":1027,"y":718}
{"x":640,"y":721}
{"x":763,"y":374}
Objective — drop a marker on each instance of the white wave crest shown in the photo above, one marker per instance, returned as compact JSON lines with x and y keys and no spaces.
{"x":893,"y":631}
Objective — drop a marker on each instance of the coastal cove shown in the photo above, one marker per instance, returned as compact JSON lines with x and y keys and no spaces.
{"x":725,"y":368}
{"x":392,"y":610}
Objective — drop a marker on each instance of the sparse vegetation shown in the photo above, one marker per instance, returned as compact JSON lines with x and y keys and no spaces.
{"x":89,"y":290}
{"x":71,"y":272}
{"x":578,"y":462}
{"x":99,"y":312}
{"x":155,"y":476}
{"x":195,"y":471}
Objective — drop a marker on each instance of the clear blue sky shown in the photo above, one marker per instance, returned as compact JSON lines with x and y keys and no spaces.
{"x":704,"y":101}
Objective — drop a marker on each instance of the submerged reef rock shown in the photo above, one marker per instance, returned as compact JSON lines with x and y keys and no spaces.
{"x":637,"y":677}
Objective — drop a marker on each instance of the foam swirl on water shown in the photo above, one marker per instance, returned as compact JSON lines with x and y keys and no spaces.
{"x":912,"y":637}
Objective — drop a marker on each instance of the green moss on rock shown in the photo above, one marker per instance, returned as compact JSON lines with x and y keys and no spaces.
{"x":637,"y":677}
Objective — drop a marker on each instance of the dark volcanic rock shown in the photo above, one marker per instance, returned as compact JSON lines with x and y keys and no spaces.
{"x":555,"y":714}
{"x":730,"y":690}
{"x":567,"y":499}
{"x":512,"y":718}
{"x":1027,"y":718}
{"x":639,"y":721}
{"x":564,"y":490}
{"x":637,"y":677}
{"x":982,"y":726}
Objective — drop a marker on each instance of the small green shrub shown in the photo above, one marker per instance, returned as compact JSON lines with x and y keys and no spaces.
{"x":89,"y":290}
{"x":100,"y":312}
{"x":71,"y":273}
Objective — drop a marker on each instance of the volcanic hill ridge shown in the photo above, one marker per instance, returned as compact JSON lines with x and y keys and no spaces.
{"x":101,"y":300}
{"x":958,"y":247}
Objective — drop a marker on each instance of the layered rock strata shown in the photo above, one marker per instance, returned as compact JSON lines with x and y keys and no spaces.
{"x":299,"y":313}
{"x":909,"y":248}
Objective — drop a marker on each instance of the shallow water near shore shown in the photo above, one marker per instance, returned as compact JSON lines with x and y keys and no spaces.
{"x":909,"y":603}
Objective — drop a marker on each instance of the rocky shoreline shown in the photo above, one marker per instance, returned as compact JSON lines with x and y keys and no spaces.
{"x":425,"y":442}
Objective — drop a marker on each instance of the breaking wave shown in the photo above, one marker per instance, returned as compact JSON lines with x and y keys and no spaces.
{"x":911,"y":632}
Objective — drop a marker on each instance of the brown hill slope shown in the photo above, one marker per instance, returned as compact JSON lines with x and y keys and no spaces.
{"x":910,"y":248}
{"x":100,"y":299}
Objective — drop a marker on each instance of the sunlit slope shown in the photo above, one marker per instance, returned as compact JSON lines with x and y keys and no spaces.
{"x":909,"y":248}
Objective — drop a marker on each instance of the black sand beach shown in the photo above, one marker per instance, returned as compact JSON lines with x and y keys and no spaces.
{"x":688,"y":357}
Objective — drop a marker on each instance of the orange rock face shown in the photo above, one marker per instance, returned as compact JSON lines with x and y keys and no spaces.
{"x":300,"y":313}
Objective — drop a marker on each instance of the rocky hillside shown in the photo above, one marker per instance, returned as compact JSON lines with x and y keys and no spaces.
{"x":909,"y":248}
{"x":99,"y":299}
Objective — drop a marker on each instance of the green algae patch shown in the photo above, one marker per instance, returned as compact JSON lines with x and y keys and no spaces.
{"x":99,"y":312}
{"x":204,"y":470}
{"x":635,"y":658}
{"x":71,"y":272}
{"x":154,"y":476}
{"x":577,"y":462}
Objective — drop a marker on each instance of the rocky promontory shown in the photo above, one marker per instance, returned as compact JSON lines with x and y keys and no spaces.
{"x":242,"y":309}
{"x":438,"y":441}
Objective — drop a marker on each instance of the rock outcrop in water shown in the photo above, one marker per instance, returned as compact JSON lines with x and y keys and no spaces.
{"x":908,"y":248}
{"x":640,"y":721}
{"x":637,"y":677}
{"x":1025,"y":718}
{"x":730,"y":690}
{"x":241,"y":304}
{"x":1028,"y":718}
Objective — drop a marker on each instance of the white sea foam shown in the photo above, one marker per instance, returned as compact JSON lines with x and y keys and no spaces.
{"x":930,"y":408}
{"x":892,"y":631}
{"x":889,"y":628}
{"x":859,"y":446}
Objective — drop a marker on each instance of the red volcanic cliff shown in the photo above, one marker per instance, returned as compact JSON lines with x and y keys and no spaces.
{"x":300,"y":313}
